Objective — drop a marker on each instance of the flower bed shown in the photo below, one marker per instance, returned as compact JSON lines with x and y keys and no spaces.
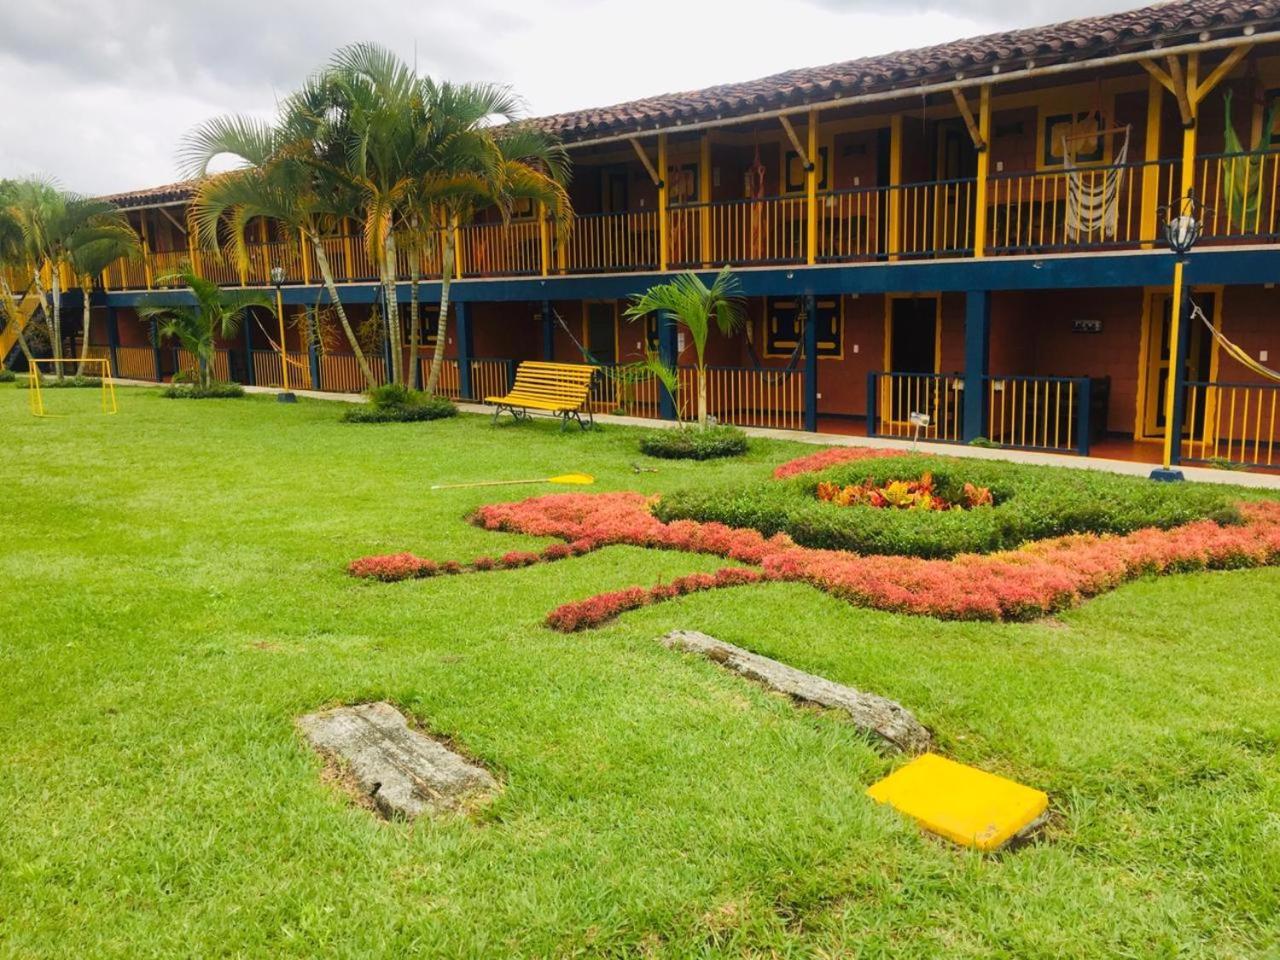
{"x":830,"y":457}
{"x":901,"y":495}
{"x":1030,"y":503}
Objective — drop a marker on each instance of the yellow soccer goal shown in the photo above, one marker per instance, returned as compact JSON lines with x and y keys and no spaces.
{"x":35,"y":393}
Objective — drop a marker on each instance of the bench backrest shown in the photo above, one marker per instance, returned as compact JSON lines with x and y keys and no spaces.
{"x":554,"y":381}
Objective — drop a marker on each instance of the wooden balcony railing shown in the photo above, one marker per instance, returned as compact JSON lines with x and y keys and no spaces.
{"x":1232,"y":423}
{"x":1089,"y":208}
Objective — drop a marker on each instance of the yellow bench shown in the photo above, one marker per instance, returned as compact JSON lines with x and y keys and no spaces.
{"x":560,"y":389}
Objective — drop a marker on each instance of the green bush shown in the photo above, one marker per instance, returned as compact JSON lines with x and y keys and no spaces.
{"x":1031,"y":503}
{"x":217,"y":390}
{"x":692,"y":443}
{"x":7,"y":375}
{"x":396,"y":403}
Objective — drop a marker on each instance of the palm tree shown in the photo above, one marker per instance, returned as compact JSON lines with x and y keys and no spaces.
{"x":694,"y":305}
{"x":216,"y":313}
{"x":425,"y":157}
{"x":91,"y":250}
{"x":469,"y":165}
{"x":13,"y":259}
{"x":52,"y":222}
{"x":284,"y":175}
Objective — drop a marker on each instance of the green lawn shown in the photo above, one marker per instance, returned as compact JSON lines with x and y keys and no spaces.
{"x":175,"y":596}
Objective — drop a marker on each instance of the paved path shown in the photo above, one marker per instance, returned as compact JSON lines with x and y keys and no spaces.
{"x":1238,"y":478}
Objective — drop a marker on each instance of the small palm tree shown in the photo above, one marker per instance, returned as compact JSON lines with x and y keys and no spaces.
{"x":216,"y":313}
{"x":695,"y":306}
{"x":91,"y":250}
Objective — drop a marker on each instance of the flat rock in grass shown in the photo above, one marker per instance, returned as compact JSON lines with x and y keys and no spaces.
{"x":403,"y":772}
{"x":889,"y":721}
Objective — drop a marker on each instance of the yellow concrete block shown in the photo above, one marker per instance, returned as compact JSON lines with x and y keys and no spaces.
{"x":970,"y":806}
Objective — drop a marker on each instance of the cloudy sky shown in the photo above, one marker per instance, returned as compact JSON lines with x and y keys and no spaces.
{"x":97,"y":93}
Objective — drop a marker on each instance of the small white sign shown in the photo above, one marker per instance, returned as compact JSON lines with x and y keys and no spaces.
{"x":920,"y":419}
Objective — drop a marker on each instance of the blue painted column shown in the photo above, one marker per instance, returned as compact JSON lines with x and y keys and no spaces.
{"x":113,"y":340}
{"x":1179,"y":361}
{"x":465,"y":350}
{"x":313,"y":357}
{"x":977,"y":362}
{"x":248,"y":349}
{"x":811,"y":363}
{"x":548,"y":332}
{"x":668,"y":354}
{"x":155,"y":349}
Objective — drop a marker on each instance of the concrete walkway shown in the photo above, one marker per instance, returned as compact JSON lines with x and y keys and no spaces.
{"x":1239,"y":478}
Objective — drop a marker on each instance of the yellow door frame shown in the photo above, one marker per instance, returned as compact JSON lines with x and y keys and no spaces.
{"x":1146,"y":406}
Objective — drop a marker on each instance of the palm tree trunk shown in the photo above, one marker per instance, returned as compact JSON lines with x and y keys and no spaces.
{"x":389,"y":271}
{"x":702,"y":396}
{"x":446,"y":275}
{"x":11,"y":310}
{"x":326,"y":272}
{"x":415,"y":326}
{"x":86,"y":316}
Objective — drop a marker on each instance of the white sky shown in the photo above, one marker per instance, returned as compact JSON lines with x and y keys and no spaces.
{"x":98,"y":93}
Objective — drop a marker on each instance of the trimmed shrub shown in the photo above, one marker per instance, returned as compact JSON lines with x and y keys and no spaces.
{"x":692,"y":443}
{"x":53,"y":383}
{"x":7,"y":376}
{"x":217,"y":390}
{"x":1030,"y":503}
{"x":396,"y":403}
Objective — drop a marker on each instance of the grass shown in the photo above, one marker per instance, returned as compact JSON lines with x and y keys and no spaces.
{"x":176,"y":596}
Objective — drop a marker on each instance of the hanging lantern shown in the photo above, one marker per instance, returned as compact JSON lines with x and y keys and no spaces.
{"x":1183,"y":224}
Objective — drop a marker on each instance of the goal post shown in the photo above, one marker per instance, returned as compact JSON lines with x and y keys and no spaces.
{"x":35,"y":391}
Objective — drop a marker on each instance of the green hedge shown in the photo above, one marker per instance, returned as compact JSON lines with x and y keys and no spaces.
{"x":7,"y":376}
{"x":71,"y":382}
{"x":692,"y":443}
{"x":217,"y":390}
{"x":1031,"y":503}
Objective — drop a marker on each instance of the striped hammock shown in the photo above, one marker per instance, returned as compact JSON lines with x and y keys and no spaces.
{"x":1093,"y":196}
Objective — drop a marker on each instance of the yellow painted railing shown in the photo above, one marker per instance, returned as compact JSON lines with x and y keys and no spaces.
{"x":1089,"y":207}
{"x":937,"y":396}
{"x":1037,"y":412}
{"x":490,"y":378}
{"x":747,"y":397}
{"x":189,"y":364}
{"x":771,"y":230}
{"x":498,"y":250}
{"x":267,"y":372}
{"x":609,"y":241}
{"x":1239,"y":193}
{"x":136,"y":363}
{"x":1232,"y":422}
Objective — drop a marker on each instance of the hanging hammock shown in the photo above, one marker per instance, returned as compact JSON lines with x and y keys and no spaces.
{"x":1242,"y":173}
{"x":1234,"y":351}
{"x":755,"y":192}
{"x":1093,"y":196}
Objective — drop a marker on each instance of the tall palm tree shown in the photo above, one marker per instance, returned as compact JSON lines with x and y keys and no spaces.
{"x":286,"y":175}
{"x":91,"y":250}
{"x":13,"y":261}
{"x":216,"y":313}
{"x":468,"y":164}
{"x":52,"y":222}
{"x":695,"y":306}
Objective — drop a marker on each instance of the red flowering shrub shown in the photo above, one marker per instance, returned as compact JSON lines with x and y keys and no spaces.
{"x":393,"y":567}
{"x":518,"y":558}
{"x":593,"y":611}
{"x":830,"y":457}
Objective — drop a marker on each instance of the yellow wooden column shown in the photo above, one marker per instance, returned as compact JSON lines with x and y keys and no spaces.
{"x":544,"y":239}
{"x":704,"y":196}
{"x":346,"y":248}
{"x":664,"y":239}
{"x":1189,"y":131}
{"x":304,"y":254}
{"x":895,"y":181}
{"x":457,"y":250}
{"x":266,"y":252}
{"x":811,"y":191}
{"x":192,"y":253}
{"x":146,"y":248}
{"x":984,"y":173}
{"x":1151,"y":170}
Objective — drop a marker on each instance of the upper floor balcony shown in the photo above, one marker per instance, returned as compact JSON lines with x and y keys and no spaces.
{"x":1103,"y":207}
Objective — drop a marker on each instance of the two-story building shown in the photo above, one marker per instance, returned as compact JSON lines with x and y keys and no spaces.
{"x":973,"y":232}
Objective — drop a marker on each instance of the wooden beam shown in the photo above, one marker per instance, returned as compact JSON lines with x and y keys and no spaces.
{"x":974,"y":133}
{"x":1163,"y":78}
{"x":983,"y":175}
{"x":805,"y":159}
{"x":174,"y":220}
{"x":1220,"y":72}
{"x":1180,"y":91}
{"x":648,"y":164}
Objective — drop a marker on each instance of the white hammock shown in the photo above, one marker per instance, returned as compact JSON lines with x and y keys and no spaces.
{"x":1093,"y":196}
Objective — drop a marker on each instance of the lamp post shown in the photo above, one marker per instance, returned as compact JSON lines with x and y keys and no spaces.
{"x":285,"y":396}
{"x":1181,"y":231}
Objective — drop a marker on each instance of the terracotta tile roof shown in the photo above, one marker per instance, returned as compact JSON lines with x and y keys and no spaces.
{"x":1063,"y":42}
{"x":154,"y":196}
